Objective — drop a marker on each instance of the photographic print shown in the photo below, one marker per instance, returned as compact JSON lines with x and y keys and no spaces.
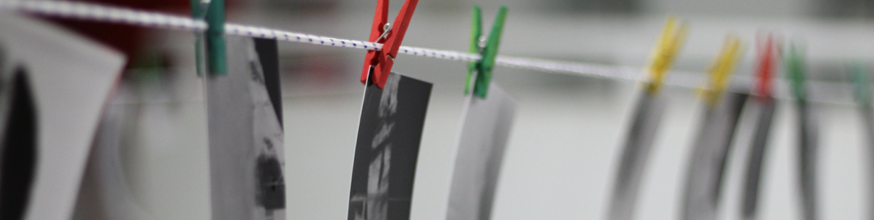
{"x":862,"y":94}
{"x":808,"y":140}
{"x":485,"y":131}
{"x":758,"y":149}
{"x":53,"y":87}
{"x":389,"y":134}
{"x":246,"y":147}
{"x":638,"y":143}
{"x":709,"y":155}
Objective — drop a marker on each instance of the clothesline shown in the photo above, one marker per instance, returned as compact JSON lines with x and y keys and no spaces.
{"x":95,"y":12}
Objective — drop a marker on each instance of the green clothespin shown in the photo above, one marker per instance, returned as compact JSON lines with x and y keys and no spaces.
{"x":797,"y":72}
{"x":475,"y":40}
{"x":214,"y":14}
{"x":488,"y":50}
{"x":198,"y":12}
{"x":860,"y":79}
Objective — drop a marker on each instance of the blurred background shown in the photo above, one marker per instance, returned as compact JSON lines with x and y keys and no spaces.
{"x":565,"y":144}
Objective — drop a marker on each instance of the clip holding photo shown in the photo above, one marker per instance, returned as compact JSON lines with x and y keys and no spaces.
{"x":672,"y":38}
{"x":378,"y":63}
{"x":487,"y":48}
{"x":722,"y":69}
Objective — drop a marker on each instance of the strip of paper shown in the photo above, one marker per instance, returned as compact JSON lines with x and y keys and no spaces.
{"x":638,"y":144}
{"x":709,"y":156}
{"x":485,"y":131}
{"x":69,"y":79}
{"x":808,"y":142}
{"x":758,"y":151}
{"x":389,"y":135}
{"x":245,"y":135}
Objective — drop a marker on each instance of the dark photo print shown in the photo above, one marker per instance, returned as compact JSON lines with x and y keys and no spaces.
{"x":648,"y":112}
{"x":18,"y":149}
{"x":53,"y":87}
{"x":389,"y":134}
{"x":710,"y":151}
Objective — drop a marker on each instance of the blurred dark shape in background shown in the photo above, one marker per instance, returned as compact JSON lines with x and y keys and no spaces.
{"x":846,"y":8}
{"x":313,"y":6}
{"x":594,"y":6}
{"x":125,"y":38}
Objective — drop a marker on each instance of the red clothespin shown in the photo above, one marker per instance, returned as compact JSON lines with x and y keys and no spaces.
{"x":380,"y":62}
{"x":767,"y":58}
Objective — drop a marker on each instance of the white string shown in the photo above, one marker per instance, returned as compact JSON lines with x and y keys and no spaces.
{"x":94,"y":12}
{"x":87,"y":11}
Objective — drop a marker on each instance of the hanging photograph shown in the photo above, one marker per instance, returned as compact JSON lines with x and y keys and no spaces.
{"x":389,"y":134}
{"x":485,"y":131}
{"x":709,"y":155}
{"x":246,"y":148}
{"x":766,"y":107}
{"x":648,"y":114}
{"x":53,"y":87}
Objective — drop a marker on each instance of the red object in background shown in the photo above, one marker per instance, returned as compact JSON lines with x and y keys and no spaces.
{"x":128,"y":39}
{"x":766,"y":67}
{"x":383,"y":60}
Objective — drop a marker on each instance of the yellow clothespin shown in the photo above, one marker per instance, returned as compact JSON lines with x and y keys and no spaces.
{"x":722,"y":68}
{"x":672,"y":37}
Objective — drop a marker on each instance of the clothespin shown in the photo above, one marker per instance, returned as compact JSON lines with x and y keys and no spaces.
{"x":797,"y":72}
{"x":377,"y":64}
{"x":722,"y":68}
{"x":767,"y":57}
{"x":477,"y":42}
{"x":672,"y":37}
{"x":198,"y":12}
{"x":214,"y":13}
{"x":861,"y":83}
{"x":215,"y":38}
{"x":487,"y":49}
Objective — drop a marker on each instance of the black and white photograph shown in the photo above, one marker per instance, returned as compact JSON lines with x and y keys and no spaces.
{"x":53,"y":87}
{"x":485,"y":131}
{"x":764,"y":107}
{"x":711,"y":150}
{"x":387,"y":149}
{"x":245,"y":134}
{"x":362,"y":110}
{"x":807,"y":158}
{"x":646,"y":119}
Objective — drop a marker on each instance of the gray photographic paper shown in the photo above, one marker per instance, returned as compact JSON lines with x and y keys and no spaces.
{"x":485,"y":131}
{"x":246,"y":147}
{"x":862,"y":94}
{"x":709,"y":156}
{"x":867,"y":113}
{"x":808,"y":140}
{"x":53,"y":87}
{"x":638,"y":143}
{"x":758,"y":150}
{"x":389,"y":134}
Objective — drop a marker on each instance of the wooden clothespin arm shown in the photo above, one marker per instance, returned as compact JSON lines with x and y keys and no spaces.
{"x":378,"y":64}
{"x":216,"y":52}
{"x":488,"y":52}
{"x":672,"y":38}
{"x":767,"y":59}
{"x":797,"y":72}
{"x":722,"y":68}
